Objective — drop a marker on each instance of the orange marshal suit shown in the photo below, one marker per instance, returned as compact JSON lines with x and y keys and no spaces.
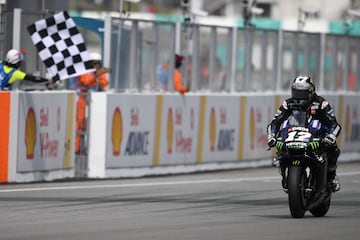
{"x":85,"y":83}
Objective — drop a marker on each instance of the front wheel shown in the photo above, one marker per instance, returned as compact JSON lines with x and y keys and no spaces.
{"x":297,"y":202}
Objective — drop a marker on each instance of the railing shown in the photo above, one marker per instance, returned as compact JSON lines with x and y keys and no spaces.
{"x":232,"y":59}
{"x":218,"y":58}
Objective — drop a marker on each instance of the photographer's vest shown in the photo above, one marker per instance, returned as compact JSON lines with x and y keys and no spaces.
{"x":5,"y":77}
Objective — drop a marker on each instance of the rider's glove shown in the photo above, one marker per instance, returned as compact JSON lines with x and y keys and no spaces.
{"x":330,"y":139}
{"x":271,"y":141}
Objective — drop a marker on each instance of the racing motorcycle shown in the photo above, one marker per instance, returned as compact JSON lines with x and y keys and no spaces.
{"x":302,"y":160}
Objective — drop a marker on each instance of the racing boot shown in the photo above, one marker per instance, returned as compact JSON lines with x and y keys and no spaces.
{"x":333,"y":179}
{"x":284,"y":179}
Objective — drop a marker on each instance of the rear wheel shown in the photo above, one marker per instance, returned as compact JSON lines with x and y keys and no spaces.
{"x":322,"y":209}
{"x":297,"y":202}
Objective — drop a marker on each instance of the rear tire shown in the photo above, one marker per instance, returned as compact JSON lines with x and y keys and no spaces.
{"x":322,"y":209}
{"x":297,"y":201}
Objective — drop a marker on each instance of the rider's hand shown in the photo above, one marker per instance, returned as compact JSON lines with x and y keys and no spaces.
{"x":330,"y":139}
{"x":271,"y":141}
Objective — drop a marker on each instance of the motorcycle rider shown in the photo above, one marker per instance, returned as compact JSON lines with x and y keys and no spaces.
{"x":304,"y":98}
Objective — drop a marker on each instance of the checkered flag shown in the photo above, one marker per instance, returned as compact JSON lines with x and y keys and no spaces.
{"x":60,"y":46}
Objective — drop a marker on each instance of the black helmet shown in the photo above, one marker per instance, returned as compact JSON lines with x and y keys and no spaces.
{"x":303,"y":90}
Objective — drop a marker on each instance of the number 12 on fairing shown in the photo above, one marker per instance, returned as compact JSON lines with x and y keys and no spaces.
{"x":298,"y":136}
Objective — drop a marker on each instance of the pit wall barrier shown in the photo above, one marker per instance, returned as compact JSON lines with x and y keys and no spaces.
{"x":134,"y":135}
{"x":37,"y":132}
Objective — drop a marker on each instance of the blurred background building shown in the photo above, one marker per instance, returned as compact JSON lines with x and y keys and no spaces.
{"x":276,"y":9}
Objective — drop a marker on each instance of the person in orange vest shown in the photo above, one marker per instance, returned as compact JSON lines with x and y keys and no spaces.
{"x":163,"y":73}
{"x":178,"y":86}
{"x":92,"y":81}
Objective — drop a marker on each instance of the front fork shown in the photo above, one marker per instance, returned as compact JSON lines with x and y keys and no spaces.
{"x":317,"y":185}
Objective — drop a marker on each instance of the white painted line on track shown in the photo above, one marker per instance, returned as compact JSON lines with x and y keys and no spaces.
{"x":152,"y":184}
{"x":148,"y":184}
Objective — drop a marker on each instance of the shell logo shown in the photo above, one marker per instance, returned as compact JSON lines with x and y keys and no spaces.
{"x":170,"y":130}
{"x":30,"y":133}
{"x":252,"y":128}
{"x":116,"y":132}
{"x":212,"y":130}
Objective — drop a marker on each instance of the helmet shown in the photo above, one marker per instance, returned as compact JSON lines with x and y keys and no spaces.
{"x":13,"y":58}
{"x":302,"y":90}
{"x":94,"y":56}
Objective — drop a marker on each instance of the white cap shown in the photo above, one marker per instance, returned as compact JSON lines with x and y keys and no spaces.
{"x":95,"y":56}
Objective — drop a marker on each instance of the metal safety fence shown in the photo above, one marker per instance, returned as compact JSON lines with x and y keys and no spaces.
{"x":218,"y":58}
{"x":228,"y":58}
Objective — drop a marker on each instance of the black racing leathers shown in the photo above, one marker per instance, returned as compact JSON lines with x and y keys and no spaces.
{"x":318,"y":109}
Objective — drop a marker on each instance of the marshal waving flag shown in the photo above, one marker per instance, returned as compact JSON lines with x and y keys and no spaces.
{"x":60,"y":46}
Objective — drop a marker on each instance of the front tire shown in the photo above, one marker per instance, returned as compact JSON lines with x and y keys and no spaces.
{"x":297,"y":200}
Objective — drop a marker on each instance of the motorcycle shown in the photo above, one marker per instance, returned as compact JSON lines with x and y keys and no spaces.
{"x":302,"y":159}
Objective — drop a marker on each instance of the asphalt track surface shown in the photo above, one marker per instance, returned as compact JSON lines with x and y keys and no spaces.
{"x":239,"y":204}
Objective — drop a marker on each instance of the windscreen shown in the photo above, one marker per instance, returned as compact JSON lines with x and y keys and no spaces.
{"x":297,"y":119}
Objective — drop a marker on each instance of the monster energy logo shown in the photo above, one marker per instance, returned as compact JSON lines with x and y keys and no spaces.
{"x":314,"y":145}
{"x":296,"y":162}
{"x":279,"y":145}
